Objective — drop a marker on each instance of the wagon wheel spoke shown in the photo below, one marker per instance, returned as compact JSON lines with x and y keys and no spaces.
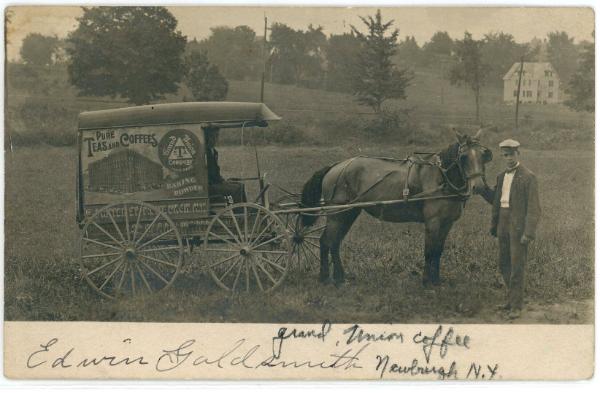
{"x":212,"y":265}
{"x":275,"y":265}
{"x":262,"y":232}
{"x":220,"y":250}
{"x":106,"y":233}
{"x":261,"y":267}
{"x":268,"y":241}
{"x":260,"y":286}
{"x":132,"y":280}
{"x":148,"y":228}
{"x":157,"y":260}
{"x":155,"y":273}
{"x":310,"y":250}
{"x":143,"y":276}
{"x":255,"y":224}
{"x":173,"y":248}
{"x":111,"y":275}
{"x":228,"y":230}
{"x":101,"y":244}
{"x":315,"y":229}
{"x":271,"y":252}
{"x":105,"y":265}
{"x":137,"y":223}
{"x":237,"y":227}
{"x":127,"y":223}
{"x":246,"y":239}
{"x":237,"y":276}
{"x":223,"y":239}
{"x":230,"y":268}
{"x":122,"y":280}
{"x":112,"y":254}
{"x":112,"y":219}
{"x":155,"y":238}
{"x":311,"y":243}
{"x":247,"y":276}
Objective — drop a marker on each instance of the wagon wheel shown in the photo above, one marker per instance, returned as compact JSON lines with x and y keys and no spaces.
{"x":305,"y":241}
{"x":247,"y":248}
{"x":129,"y":249}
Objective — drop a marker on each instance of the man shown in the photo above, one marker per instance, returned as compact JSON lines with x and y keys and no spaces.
{"x":515,"y":214}
{"x":219,"y":189}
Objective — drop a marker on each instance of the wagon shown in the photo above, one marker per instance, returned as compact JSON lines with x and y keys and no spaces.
{"x":143,"y":204}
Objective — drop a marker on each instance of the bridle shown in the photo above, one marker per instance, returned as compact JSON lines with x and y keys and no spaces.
{"x":462,"y":149}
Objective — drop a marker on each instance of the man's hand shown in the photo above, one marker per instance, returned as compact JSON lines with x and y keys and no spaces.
{"x":526,"y":239}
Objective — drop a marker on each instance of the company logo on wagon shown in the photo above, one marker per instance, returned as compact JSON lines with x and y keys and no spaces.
{"x":177,"y":150}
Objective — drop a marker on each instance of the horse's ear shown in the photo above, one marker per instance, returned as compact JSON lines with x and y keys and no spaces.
{"x":478,"y":134}
{"x":459,"y":137}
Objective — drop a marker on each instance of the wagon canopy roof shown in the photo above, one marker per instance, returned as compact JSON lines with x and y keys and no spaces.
{"x":223,"y":114}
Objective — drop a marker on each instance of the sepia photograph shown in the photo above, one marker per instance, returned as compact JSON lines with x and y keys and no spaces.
{"x":331,"y":167}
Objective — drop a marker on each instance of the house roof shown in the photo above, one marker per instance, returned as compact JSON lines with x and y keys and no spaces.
{"x":531,"y":70}
{"x":232,"y":114}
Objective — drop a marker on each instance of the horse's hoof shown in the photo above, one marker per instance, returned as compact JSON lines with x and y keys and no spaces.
{"x":324,"y":280}
{"x":339,"y":284}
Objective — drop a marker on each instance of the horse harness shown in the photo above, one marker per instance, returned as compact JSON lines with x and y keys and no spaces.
{"x":436,"y":161}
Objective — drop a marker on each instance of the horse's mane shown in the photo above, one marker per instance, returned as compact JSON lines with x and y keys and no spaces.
{"x":449,"y":155}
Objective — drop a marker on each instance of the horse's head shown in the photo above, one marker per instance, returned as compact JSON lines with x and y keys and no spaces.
{"x":472,"y":157}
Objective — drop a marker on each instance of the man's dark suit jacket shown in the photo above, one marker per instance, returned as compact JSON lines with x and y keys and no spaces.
{"x":524,"y":202}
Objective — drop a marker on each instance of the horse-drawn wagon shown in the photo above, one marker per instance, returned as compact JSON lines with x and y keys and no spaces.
{"x":144,"y":201}
{"x":144,"y":204}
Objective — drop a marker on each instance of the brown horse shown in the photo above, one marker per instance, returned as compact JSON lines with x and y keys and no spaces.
{"x":438,"y":186}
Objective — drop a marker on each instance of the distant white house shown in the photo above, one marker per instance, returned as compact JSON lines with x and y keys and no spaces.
{"x":539,"y":83}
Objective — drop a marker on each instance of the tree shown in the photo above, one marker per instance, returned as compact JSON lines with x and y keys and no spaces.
{"x":581,"y":87}
{"x":440,"y":44}
{"x":296,"y":56}
{"x":236,"y":52}
{"x":409,"y":54}
{"x":341,"y":53}
{"x":204,"y":79}
{"x":500,"y":51}
{"x":376,"y":78}
{"x":134,"y":52}
{"x":38,"y":49}
{"x":562,"y":54}
{"x":469,"y":67}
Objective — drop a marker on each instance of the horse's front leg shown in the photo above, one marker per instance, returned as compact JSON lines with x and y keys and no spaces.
{"x":436,"y":233}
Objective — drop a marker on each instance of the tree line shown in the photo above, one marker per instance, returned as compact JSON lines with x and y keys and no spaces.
{"x":137,"y":53}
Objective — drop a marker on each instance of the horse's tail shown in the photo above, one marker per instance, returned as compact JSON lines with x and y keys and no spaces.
{"x":311,"y":194}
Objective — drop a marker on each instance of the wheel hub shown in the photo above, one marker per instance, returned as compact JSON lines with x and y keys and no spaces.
{"x":244,"y":251}
{"x":130,"y":253}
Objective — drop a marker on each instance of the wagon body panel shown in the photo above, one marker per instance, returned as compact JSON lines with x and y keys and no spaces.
{"x":162,"y":164}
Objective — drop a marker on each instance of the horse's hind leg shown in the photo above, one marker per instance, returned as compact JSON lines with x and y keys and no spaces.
{"x":324,"y":246}
{"x":343,"y":223}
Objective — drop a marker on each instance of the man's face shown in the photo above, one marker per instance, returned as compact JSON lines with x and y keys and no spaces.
{"x":511,"y":157}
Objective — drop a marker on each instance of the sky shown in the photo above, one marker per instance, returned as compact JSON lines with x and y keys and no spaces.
{"x":421,"y":22}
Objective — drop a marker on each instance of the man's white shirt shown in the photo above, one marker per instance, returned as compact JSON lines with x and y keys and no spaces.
{"x":506,"y":184}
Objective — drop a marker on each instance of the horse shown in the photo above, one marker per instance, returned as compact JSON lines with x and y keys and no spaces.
{"x":431,"y":190}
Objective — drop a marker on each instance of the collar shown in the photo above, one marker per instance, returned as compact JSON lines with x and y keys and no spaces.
{"x":513,"y":169}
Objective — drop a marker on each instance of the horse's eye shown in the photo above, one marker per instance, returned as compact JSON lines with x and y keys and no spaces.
{"x":487,"y":155}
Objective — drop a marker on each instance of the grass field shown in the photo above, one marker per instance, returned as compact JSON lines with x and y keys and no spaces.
{"x":42,"y":279}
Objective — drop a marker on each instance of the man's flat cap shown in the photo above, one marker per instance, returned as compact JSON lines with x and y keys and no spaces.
{"x":509,"y":144}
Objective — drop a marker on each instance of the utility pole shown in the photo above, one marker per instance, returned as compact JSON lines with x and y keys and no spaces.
{"x":262,"y":80}
{"x":518,"y":96}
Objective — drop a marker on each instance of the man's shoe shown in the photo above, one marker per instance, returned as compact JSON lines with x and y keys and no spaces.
{"x":503,"y":307}
{"x":514,"y":314}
